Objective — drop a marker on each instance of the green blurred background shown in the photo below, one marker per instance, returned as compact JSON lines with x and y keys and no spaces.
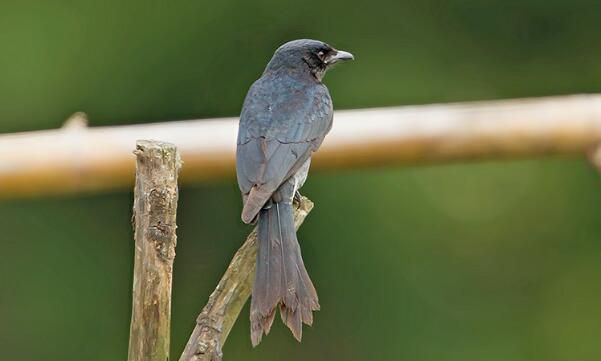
{"x":482,"y":261}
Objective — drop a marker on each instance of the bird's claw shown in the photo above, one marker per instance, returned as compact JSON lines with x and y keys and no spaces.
{"x":298,"y":198}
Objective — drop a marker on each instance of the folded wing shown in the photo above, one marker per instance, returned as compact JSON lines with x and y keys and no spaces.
{"x":281,"y":124}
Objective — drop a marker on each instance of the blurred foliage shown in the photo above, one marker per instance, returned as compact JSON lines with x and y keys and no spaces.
{"x":487,"y":261}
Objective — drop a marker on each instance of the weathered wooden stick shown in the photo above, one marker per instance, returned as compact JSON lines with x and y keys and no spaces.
{"x":154,"y":211}
{"x":67,"y":160}
{"x":219,"y":315}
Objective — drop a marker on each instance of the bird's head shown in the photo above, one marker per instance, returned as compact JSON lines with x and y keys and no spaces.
{"x":305,"y":55}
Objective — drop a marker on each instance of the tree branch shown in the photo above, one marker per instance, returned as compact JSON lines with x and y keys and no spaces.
{"x":214,"y":323}
{"x":154,"y":214}
{"x":70,"y":161}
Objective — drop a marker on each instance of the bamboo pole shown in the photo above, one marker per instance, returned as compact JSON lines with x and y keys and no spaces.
{"x":216,"y":319}
{"x":68,"y":160}
{"x":154,"y":214}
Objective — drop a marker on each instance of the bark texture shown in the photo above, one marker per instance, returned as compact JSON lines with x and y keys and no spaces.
{"x":216,"y":319}
{"x":154,"y":215}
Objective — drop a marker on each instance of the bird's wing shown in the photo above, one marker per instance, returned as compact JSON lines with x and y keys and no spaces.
{"x":281,"y":124}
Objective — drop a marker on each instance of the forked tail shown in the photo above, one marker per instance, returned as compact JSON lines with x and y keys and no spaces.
{"x":281,"y":277}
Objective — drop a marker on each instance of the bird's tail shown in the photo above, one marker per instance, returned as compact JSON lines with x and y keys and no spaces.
{"x":281,"y":277}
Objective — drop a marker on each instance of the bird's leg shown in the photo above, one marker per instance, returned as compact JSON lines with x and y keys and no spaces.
{"x":297,"y":197}
{"x":268,"y":204}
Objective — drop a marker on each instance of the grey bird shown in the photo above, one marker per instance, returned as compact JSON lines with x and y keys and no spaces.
{"x":285,"y":117}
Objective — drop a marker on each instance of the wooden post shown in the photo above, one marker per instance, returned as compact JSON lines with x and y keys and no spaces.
{"x":154,"y":211}
{"x":214,"y":323}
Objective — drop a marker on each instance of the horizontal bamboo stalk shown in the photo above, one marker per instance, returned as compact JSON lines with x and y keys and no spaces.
{"x":68,"y":160}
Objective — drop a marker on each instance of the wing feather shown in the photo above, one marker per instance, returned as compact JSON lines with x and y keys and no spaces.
{"x":282,"y":122}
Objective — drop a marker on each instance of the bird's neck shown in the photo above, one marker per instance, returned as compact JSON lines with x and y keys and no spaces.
{"x":300,"y":71}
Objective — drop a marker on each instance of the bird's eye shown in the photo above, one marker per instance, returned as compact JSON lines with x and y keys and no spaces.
{"x":320,"y":54}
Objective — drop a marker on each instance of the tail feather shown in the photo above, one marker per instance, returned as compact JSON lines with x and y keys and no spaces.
{"x":281,"y":277}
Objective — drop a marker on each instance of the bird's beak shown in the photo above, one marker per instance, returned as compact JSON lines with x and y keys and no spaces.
{"x":338,"y":56}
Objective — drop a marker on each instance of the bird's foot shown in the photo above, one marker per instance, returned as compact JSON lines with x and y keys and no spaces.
{"x":298,"y":198}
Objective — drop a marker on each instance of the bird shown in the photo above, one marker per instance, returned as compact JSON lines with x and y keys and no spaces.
{"x":284,"y":119}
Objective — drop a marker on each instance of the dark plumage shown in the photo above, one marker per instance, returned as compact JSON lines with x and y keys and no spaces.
{"x":285,"y":117}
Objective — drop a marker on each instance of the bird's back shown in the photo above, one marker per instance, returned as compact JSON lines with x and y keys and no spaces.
{"x":282,"y":121}
{"x":286,"y":109}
